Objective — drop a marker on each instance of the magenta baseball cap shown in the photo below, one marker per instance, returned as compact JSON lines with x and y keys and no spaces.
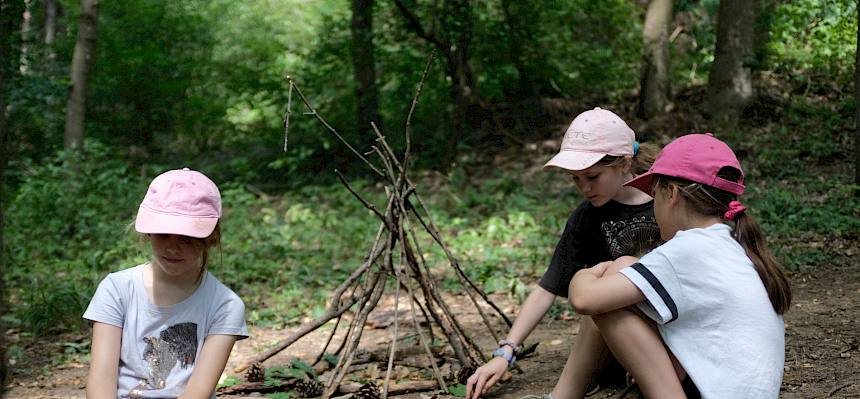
{"x":694,"y":157}
{"x":591,"y":136}
{"x":181,"y":201}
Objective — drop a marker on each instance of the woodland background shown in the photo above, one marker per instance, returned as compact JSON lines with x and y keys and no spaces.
{"x":96,"y":98}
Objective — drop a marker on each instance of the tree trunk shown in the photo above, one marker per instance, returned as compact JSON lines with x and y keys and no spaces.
{"x":654,"y":85}
{"x":730,"y":81}
{"x":452,"y":39}
{"x":10,"y":12}
{"x":366,"y":94}
{"x":26,"y":26}
{"x":81,"y":64}
{"x":50,"y":21}
{"x":50,"y":27}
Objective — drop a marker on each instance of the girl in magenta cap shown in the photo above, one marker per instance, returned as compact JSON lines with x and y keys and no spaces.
{"x":599,"y":153}
{"x":164,"y":329}
{"x":703,"y":312}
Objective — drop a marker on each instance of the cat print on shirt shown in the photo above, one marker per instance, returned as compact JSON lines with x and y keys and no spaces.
{"x":175,"y":344}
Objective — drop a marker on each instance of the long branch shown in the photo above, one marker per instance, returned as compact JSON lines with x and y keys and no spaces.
{"x":378,"y":288}
{"x":330,"y":128}
{"x":408,"y":132}
{"x":434,"y":232}
{"x":394,"y":334}
{"x":304,"y":330}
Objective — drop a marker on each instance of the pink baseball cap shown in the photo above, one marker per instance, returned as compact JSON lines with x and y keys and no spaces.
{"x":694,"y":157}
{"x":181,"y":201}
{"x":591,"y":136}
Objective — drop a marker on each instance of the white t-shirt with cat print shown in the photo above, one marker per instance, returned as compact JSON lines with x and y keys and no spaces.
{"x":160,"y":344}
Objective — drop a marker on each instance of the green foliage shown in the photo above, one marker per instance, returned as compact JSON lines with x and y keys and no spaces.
{"x":801,"y":211}
{"x":229,"y":381}
{"x":458,"y":390}
{"x":67,"y":223}
{"x":815,"y":41}
{"x":202,"y":84}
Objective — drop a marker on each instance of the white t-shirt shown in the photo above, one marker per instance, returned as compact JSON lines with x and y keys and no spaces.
{"x":713,"y":313}
{"x":161,"y":344}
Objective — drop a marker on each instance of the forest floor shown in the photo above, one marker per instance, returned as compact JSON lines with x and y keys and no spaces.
{"x":822,"y":340}
{"x":822,"y":356}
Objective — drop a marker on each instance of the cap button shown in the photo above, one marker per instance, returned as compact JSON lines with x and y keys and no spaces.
{"x":709,"y":134}
{"x":596,"y":108}
{"x":185,"y":169}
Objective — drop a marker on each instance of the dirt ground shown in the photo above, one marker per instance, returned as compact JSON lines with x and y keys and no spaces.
{"x":822,"y":357}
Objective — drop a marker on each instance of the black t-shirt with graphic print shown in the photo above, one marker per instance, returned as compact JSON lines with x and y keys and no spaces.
{"x":597,"y":234}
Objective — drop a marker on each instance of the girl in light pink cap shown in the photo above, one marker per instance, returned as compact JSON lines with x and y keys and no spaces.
{"x":702,"y":313}
{"x":165,"y":329}
{"x":599,"y":152}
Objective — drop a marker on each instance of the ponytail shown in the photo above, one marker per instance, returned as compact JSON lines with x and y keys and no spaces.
{"x":711,"y":201}
{"x":643,"y":158}
{"x":748,"y":233}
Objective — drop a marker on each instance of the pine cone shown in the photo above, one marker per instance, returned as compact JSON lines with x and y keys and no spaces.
{"x":309,"y":389}
{"x":255,"y":373}
{"x":464,"y":373}
{"x":368,"y":391}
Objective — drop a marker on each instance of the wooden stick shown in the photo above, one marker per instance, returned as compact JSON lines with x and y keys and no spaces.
{"x":379,"y":287}
{"x":394,"y":334}
{"x":314,"y":112}
{"x":434,"y":232}
{"x":423,"y":340}
{"x":328,"y":341}
{"x":289,"y":111}
{"x":408,"y":132}
{"x":302,"y":331}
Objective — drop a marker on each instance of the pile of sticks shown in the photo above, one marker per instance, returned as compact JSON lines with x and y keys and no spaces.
{"x":395,"y":257}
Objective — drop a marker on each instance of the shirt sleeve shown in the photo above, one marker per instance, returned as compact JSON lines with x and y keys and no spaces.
{"x":107,"y":303}
{"x":230,"y":317}
{"x":655,"y":276}
{"x":567,"y":258}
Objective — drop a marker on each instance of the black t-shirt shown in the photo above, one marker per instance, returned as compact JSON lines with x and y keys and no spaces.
{"x":593,"y":235}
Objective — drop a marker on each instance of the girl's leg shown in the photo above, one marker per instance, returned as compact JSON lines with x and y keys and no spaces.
{"x":639,"y":348}
{"x":588,"y":356}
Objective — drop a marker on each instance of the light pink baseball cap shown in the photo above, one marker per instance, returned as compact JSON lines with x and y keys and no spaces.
{"x":591,"y":136}
{"x":694,"y":157}
{"x":181,"y":201}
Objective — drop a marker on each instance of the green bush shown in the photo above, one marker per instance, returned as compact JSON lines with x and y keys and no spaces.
{"x":67,"y":223}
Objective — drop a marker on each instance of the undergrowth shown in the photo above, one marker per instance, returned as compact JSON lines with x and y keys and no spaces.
{"x":68,"y":223}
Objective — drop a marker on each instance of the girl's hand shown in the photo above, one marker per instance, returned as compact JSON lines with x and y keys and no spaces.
{"x":485,"y":377}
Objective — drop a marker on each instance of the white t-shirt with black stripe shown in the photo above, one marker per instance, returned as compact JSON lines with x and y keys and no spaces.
{"x":713,"y":313}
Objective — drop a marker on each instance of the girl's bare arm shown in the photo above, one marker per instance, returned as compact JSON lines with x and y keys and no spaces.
{"x":104,"y":361}
{"x":209,"y":366}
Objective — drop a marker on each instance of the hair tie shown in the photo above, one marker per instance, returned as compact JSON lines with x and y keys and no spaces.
{"x":635,"y":148}
{"x":735,"y":209}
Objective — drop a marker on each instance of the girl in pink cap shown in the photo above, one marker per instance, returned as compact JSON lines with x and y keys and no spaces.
{"x":164,"y":329}
{"x":702,"y":312}
{"x":599,"y":152}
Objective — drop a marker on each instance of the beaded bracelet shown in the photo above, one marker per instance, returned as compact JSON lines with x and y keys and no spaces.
{"x":516,"y":348}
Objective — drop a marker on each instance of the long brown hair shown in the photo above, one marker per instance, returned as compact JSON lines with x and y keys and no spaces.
{"x":640,"y":162}
{"x":711,"y":201}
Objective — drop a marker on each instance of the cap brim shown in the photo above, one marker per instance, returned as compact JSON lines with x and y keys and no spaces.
{"x":643,"y":182}
{"x":150,"y":222}
{"x":573,"y":160}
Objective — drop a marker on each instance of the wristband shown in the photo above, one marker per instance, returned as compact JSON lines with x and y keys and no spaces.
{"x":502,"y":354}
{"x":516,"y":348}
